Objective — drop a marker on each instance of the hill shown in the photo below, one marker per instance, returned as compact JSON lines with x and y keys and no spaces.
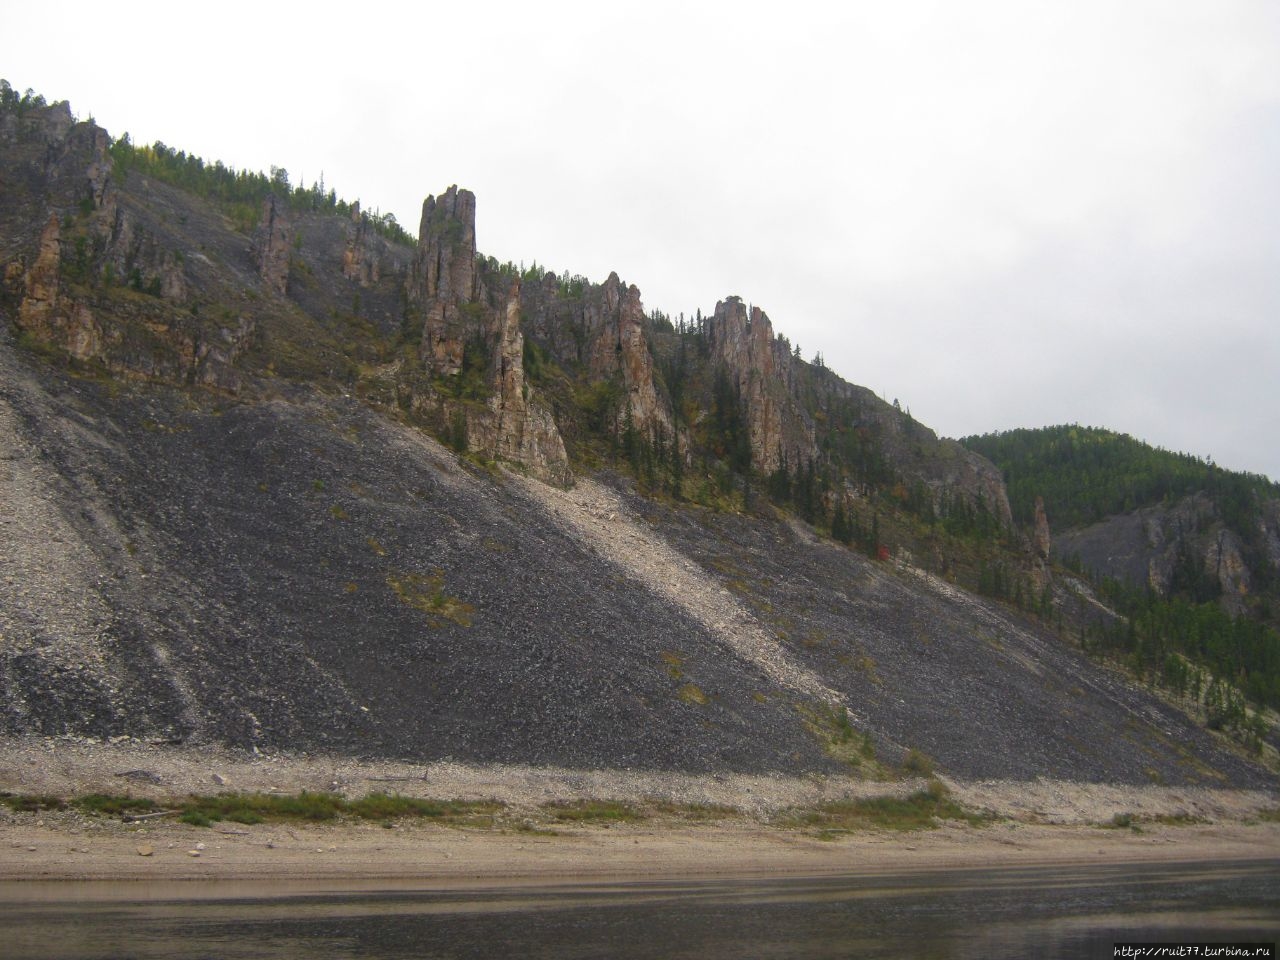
{"x":306,"y":484}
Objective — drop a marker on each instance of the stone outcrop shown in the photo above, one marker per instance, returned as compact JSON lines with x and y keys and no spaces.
{"x":463,"y":311}
{"x":1182,"y":546}
{"x":601,"y":330}
{"x":272,"y":245}
{"x":511,"y":427}
{"x":361,"y":260}
{"x":1040,"y":541}
{"x":759,"y":364}
{"x":76,"y":287}
{"x":38,"y":311}
{"x":445,"y":278}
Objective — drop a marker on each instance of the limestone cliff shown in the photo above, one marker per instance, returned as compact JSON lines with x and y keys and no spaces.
{"x":800,"y":414}
{"x":779,"y":428}
{"x":99,"y":281}
{"x":1181,"y":547}
{"x":471,"y":332}
{"x":271,"y":245}
{"x":600,"y":329}
{"x":444,"y":281}
{"x":361,"y":260}
{"x":512,"y":427}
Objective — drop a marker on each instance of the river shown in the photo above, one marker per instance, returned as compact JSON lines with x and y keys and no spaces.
{"x":1042,"y":912}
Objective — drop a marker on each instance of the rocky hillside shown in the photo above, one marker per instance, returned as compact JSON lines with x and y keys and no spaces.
{"x":1172,"y":523}
{"x":278,"y":476}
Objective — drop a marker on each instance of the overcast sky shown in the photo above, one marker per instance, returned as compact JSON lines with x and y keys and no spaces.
{"x":1002,"y":213}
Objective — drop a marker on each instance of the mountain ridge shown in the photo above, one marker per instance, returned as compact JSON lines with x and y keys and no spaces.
{"x":260,"y":471}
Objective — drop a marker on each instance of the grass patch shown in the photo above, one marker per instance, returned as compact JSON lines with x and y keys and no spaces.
{"x":841,"y":740}
{"x":250,"y":808}
{"x":1124,"y":821}
{"x":675,"y":664}
{"x":321,"y":807}
{"x":691,"y":812}
{"x":692,"y":693}
{"x":592,"y":811}
{"x":1178,"y":819}
{"x":426,"y":593}
{"x":34,"y":803}
{"x":111,"y":805}
{"x":917,"y":764}
{"x":921,"y":810}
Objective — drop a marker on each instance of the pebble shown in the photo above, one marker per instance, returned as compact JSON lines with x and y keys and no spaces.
{"x":145,"y":850}
{"x":193,"y":853}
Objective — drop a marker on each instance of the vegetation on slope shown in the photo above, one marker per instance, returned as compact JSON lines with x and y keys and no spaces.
{"x":239,"y":193}
{"x":1183,"y":640}
{"x":1086,"y":474}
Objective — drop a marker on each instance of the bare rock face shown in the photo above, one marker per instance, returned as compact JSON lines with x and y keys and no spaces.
{"x":38,"y":311}
{"x":760,"y":367}
{"x":601,"y":329}
{"x":617,"y":349}
{"x":1224,"y":561}
{"x":512,"y":427}
{"x":1183,"y":546}
{"x":361,"y":261}
{"x":1040,"y":536}
{"x":445,"y":278}
{"x":272,"y":244}
{"x":135,"y":257}
{"x":1271,"y":532}
{"x":460,"y":309}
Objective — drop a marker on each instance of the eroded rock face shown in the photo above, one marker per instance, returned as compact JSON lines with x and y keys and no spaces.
{"x":463,"y":310}
{"x":361,"y":261}
{"x":445,"y":278}
{"x":513,"y":428}
{"x":38,"y":311}
{"x":1040,"y":541}
{"x":759,"y":365}
{"x":601,"y":329}
{"x":1184,"y":546}
{"x":99,"y":282}
{"x":272,"y":244}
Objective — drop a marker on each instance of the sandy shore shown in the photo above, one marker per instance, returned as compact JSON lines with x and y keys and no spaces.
{"x":65,"y":848}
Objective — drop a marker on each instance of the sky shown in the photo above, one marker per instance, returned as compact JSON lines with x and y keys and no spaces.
{"x":1002,"y":214}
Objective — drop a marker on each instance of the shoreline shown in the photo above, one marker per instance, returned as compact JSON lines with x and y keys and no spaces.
{"x":433,"y":855}
{"x":709,"y":825}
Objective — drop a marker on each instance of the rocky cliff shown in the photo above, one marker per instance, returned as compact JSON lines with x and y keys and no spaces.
{"x":1182,"y":547}
{"x":116,"y":267}
{"x":471,"y":331}
{"x":231,"y":414}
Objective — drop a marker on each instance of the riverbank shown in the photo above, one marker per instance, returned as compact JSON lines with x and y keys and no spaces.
{"x":56,"y":847}
{"x":677,"y":825}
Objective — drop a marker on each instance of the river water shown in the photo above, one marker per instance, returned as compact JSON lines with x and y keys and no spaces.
{"x":1042,"y":912}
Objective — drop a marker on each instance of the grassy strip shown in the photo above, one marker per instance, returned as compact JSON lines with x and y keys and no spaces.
{"x":261,"y":807}
{"x":592,"y":811}
{"x":920,"y":811}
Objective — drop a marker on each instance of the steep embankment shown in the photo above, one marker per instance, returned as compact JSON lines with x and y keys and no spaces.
{"x":303,"y":573}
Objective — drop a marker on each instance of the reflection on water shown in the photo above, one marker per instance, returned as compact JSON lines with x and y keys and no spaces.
{"x":1025,"y":912}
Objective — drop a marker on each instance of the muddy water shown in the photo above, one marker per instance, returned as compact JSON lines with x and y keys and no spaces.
{"x":1026,"y":912}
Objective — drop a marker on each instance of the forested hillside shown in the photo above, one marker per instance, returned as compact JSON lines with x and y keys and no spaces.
{"x":1086,"y":474}
{"x":1186,"y":552}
